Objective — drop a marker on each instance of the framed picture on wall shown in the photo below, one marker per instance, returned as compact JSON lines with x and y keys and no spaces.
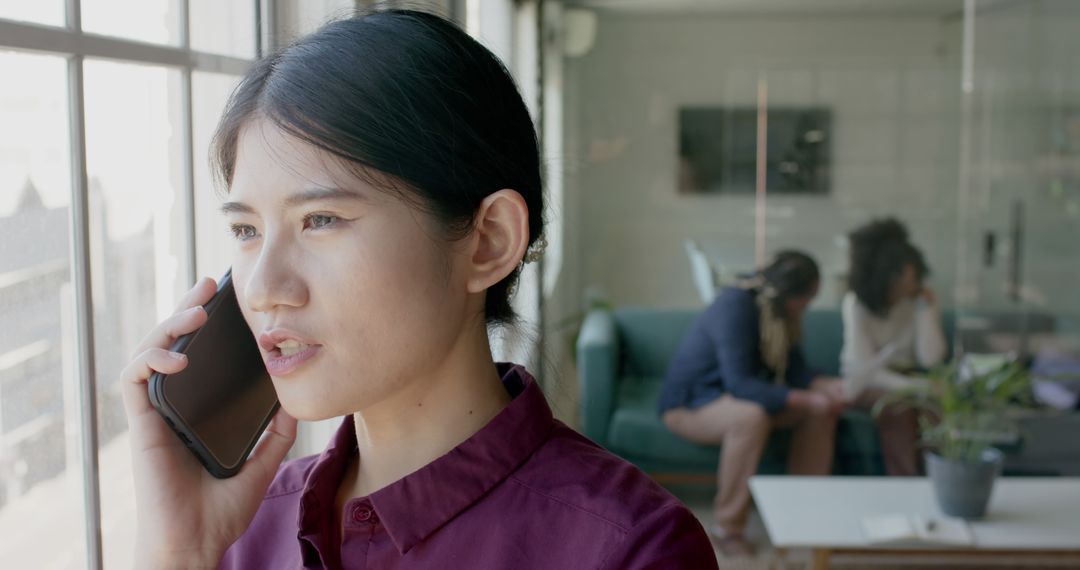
{"x":718,"y":150}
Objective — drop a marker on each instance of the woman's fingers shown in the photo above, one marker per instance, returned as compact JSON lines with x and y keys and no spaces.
{"x":153,"y":354}
{"x":138,"y":371}
{"x":199,"y":294}
{"x":172,"y":328}
{"x":169,"y":330}
{"x":276,"y":441}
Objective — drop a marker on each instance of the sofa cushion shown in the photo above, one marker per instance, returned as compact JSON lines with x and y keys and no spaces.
{"x":649,"y":338}
{"x":637,"y":432}
{"x":636,"y":428}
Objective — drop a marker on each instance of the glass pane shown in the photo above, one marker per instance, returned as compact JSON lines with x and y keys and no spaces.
{"x":223,"y":27}
{"x":213,"y":246}
{"x":40,"y":461}
{"x":299,"y":17}
{"x":153,"y":21}
{"x":861,"y":116}
{"x":1023,"y":212}
{"x":134,"y":150}
{"x":40,"y":11}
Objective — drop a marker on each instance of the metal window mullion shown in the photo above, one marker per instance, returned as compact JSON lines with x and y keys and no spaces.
{"x":84,"y":309}
{"x":185,"y":25}
{"x":71,"y":40}
{"x":264,"y":21}
{"x":188,"y":173}
{"x":187,"y":143}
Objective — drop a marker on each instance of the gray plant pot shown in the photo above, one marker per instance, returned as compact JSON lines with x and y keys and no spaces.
{"x":963,"y":489}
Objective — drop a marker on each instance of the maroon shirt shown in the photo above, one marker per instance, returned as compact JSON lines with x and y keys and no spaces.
{"x":525,"y":491}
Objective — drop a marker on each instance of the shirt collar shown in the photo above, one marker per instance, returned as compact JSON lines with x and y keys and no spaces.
{"x":417,"y":505}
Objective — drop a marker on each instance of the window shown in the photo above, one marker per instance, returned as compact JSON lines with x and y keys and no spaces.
{"x":104,"y":182}
{"x":130,"y":95}
{"x":39,"y":443}
{"x":50,"y":12}
{"x":151,"y":21}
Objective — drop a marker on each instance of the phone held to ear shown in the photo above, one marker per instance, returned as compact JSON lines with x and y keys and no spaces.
{"x":221,"y":403}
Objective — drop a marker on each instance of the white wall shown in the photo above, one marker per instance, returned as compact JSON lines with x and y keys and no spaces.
{"x":892,"y":85}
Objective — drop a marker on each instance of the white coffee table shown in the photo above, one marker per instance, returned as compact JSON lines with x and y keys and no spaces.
{"x":1038,"y":516}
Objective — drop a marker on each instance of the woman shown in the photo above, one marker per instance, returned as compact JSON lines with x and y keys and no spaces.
{"x":383,"y":188}
{"x":892,"y":327}
{"x":739,"y":374}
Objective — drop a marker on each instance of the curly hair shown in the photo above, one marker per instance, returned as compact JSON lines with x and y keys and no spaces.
{"x":880,"y":251}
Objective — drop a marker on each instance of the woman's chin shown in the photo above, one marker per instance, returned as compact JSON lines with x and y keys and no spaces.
{"x":308,"y":410}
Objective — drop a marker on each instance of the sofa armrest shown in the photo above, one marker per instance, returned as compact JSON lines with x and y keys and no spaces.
{"x":597,"y":362}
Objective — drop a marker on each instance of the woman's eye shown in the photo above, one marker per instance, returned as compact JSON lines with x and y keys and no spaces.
{"x":242,"y":232}
{"x":319,"y":221}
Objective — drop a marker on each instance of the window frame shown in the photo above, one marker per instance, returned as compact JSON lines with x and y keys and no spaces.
{"x":75,"y":45}
{"x":275,"y":21}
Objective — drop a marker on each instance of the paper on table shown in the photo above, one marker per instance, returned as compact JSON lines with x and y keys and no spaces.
{"x":915,"y":530}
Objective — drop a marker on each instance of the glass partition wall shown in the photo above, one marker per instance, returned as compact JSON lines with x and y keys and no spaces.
{"x":1021,"y":195}
{"x":731,"y":130}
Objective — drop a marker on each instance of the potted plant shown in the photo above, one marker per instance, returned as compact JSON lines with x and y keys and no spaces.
{"x":964,"y":413}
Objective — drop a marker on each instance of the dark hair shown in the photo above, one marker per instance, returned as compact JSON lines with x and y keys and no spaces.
{"x":409,"y":102}
{"x":791,"y":274}
{"x":879,"y":252}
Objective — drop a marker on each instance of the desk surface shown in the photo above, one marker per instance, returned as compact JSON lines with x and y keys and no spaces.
{"x":1034,"y":513}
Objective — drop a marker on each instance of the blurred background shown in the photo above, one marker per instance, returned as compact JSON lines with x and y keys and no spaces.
{"x":961,"y":118}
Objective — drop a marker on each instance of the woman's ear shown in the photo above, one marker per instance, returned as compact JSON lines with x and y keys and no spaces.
{"x":500,"y":238}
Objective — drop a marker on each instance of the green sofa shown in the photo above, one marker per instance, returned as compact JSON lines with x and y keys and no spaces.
{"x":622,"y":357}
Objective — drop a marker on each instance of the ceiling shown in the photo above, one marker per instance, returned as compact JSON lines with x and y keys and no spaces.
{"x":909,"y":8}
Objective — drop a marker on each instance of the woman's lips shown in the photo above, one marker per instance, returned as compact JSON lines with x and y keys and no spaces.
{"x":278,"y":365}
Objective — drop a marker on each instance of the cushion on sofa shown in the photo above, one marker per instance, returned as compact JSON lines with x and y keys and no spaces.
{"x":648,"y":338}
{"x":637,"y":432}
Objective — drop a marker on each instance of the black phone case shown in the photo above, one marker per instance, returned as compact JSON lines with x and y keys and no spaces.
{"x":156,"y":389}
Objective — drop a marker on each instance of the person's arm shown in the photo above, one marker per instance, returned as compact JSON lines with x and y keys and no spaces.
{"x":671,"y":537}
{"x":862,"y":364}
{"x":736,"y":337}
{"x":930,"y":346}
{"x":186,"y":519}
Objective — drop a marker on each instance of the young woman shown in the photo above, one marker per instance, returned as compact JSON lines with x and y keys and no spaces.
{"x":739,"y":374}
{"x":383,"y":187}
{"x":892,"y":328}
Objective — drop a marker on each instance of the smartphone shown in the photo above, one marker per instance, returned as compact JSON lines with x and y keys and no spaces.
{"x":221,"y":403}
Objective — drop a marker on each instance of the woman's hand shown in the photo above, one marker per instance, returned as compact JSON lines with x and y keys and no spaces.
{"x":833,"y":390}
{"x":810,"y":401}
{"x":186,"y":517}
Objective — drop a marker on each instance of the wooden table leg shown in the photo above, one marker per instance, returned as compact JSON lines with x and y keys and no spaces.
{"x":820,"y":559}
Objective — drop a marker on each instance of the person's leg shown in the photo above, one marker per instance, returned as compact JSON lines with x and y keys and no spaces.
{"x":898,"y":430}
{"x":742,"y":429}
{"x":812,"y":445}
{"x":813,"y":440}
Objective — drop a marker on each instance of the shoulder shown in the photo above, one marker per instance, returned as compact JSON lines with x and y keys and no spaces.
{"x":614,"y":498}
{"x":735,"y":296}
{"x":734,"y":305}
{"x":270,"y":538}
{"x":573,"y":470}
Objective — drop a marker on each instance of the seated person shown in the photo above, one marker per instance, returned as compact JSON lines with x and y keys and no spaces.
{"x":891,"y":325}
{"x":740,"y":373}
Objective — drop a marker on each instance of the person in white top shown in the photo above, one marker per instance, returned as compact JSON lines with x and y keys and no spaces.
{"x":892,"y":330}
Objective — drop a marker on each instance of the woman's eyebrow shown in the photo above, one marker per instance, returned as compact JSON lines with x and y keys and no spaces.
{"x":322,"y":193}
{"x":309,"y":195}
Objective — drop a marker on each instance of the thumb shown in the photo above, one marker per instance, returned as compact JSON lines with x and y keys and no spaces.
{"x":268,"y":454}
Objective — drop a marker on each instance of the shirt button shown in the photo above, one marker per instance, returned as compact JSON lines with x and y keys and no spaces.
{"x":362,"y":514}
